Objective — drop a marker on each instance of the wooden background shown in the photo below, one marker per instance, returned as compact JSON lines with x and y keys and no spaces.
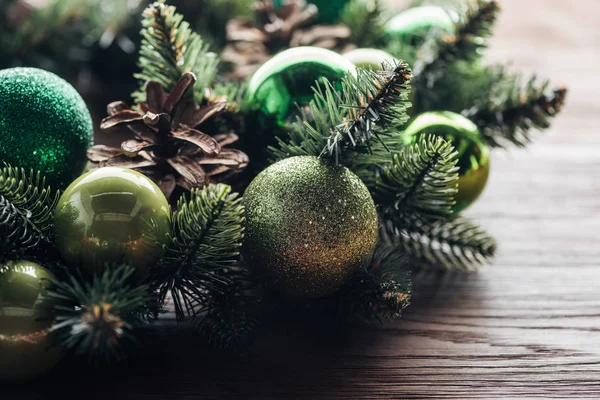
{"x":527,"y":326}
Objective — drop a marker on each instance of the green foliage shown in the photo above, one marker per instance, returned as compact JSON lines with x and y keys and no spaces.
{"x":98,"y":318}
{"x":169,"y":49}
{"x":514,"y":108}
{"x":366,"y":21}
{"x":201,"y":266}
{"x":421,"y":180}
{"x":26,"y":207}
{"x":453,"y":243}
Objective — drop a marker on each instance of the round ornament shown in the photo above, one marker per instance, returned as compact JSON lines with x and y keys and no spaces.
{"x":285,"y":82}
{"x":112,"y":216}
{"x":309,"y":226}
{"x":329,"y":10}
{"x":44,"y":124}
{"x":413,"y":25}
{"x":473,"y":153}
{"x":372,"y":59}
{"x":25,"y":345}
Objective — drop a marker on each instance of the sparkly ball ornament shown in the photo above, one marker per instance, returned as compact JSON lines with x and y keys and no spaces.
{"x":25,"y":345}
{"x":44,"y":124}
{"x":371,"y":59}
{"x":473,"y":153}
{"x":112,"y":216}
{"x":285,"y":82}
{"x":413,"y":25}
{"x":309,"y":226}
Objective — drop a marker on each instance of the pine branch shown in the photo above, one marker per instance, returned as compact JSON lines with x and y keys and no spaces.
{"x":466,"y":44}
{"x":201,"y":266}
{"x":169,"y":49}
{"x":98,"y":319}
{"x":449,"y":244}
{"x":422,"y":179}
{"x":365,"y":20}
{"x":513,"y":110}
{"x":26,"y":207}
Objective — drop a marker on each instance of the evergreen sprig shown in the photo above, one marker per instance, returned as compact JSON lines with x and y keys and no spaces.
{"x":514,"y":109}
{"x":467,"y":43}
{"x":97,"y":318}
{"x":26,"y":207}
{"x":422,"y":179}
{"x":453,"y":243}
{"x":366,"y":22}
{"x":169,"y":49}
{"x":201,"y":266}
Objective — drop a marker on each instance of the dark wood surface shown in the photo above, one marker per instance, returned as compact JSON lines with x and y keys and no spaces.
{"x":526,"y":326}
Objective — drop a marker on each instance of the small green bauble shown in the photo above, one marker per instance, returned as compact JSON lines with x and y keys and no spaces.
{"x":112,"y":216}
{"x":44,"y":124}
{"x":473,"y":153}
{"x":329,"y":10}
{"x":413,"y":25}
{"x":309,"y":226}
{"x":25,"y":345}
{"x":371,"y":59}
{"x":285,"y":82}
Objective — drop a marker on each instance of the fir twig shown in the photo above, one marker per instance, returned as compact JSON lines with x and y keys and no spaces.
{"x":26,"y":207}
{"x":169,"y":49}
{"x":98,"y":319}
{"x":449,"y":244}
{"x":365,"y":20}
{"x":514,"y":110}
{"x":422,"y":179}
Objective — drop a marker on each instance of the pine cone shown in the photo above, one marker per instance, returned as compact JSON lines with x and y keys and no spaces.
{"x":165,"y":146}
{"x":252,"y":44}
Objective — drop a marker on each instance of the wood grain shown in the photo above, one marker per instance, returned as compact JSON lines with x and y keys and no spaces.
{"x":527,"y":326}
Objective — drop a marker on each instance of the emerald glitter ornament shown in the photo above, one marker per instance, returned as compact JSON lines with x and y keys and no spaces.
{"x":112,"y":216}
{"x":473,"y":153}
{"x":372,"y":59}
{"x":309,"y":226}
{"x":285,"y":82}
{"x":413,"y":25}
{"x":25,"y":342}
{"x":44,"y":125}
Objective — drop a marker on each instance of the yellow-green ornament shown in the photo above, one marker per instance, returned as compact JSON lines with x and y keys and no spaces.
{"x":44,"y":125}
{"x":112,"y":216}
{"x":309,"y":226}
{"x":26,"y":349}
{"x":413,"y":25}
{"x":285,"y":82}
{"x":372,"y":59}
{"x":473,"y":153}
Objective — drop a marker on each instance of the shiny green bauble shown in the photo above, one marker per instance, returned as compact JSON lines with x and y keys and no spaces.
{"x":413,"y":25}
{"x":112,"y":216}
{"x":309,"y":226}
{"x":372,"y":59}
{"x":473,"y":153}
{"x":329,"y":10}
{"x":44,"y":125}
{"x":26,"y":349}
{"x":285,"y":82}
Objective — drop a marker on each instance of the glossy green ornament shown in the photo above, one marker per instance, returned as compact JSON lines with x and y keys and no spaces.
{"x":329,"y":10}
{"x":25,"y":344}
{"x":473,"y":153}
{"x":413,"y":25}
{"x":309,"y":226}
{"x":112,"y":216}
{"x":285,"y":82}
{"x":44,"y":124}
{"x":372,"y":59}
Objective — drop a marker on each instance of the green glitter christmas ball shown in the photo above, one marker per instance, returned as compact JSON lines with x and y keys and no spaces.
{"x":285,"y":82}
{"x":112,"y":216}
{"x":309,"y":226}
{"x":473,"y":153}
{"x":25,"y":344}
{"x":44,"y":124}
{"x":371,"y":59}
{"x":413,"y":25}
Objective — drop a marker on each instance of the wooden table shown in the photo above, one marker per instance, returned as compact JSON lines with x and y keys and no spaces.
{"x":527,"y":326}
